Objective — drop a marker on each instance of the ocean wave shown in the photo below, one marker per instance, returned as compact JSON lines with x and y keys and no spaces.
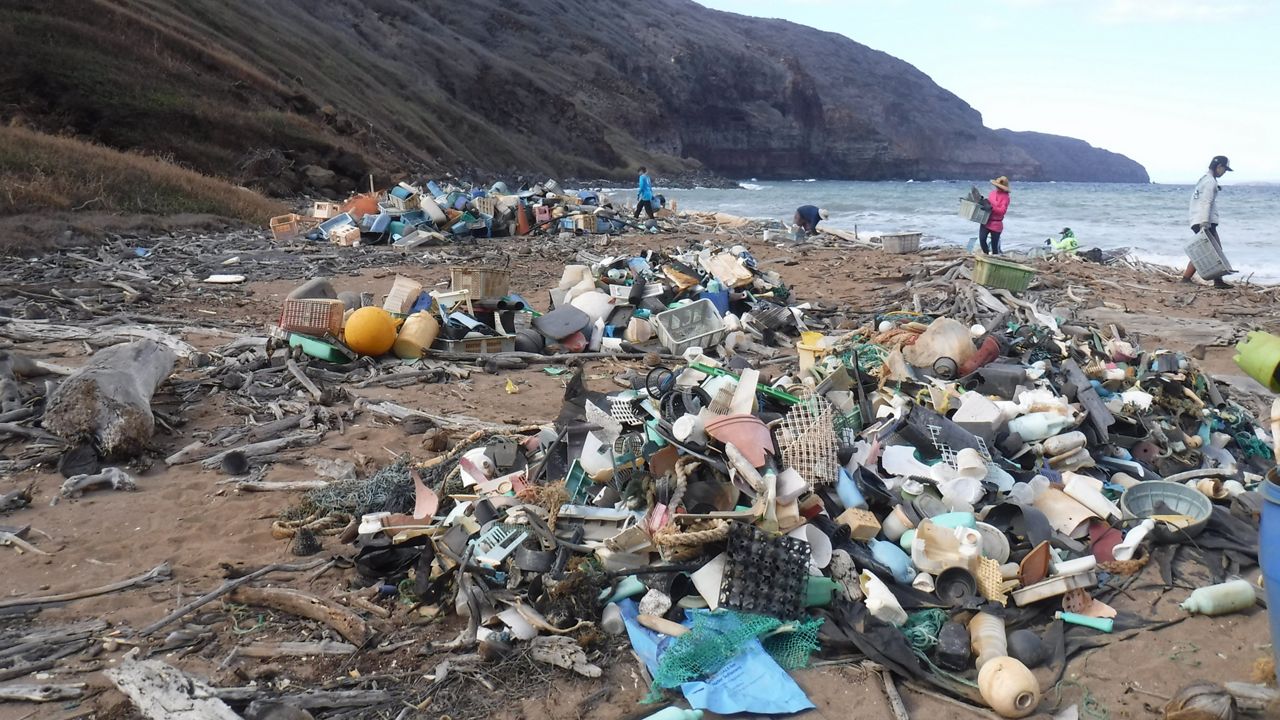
{"x":751,"y":186}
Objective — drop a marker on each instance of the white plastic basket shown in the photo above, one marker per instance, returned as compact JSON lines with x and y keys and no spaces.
{"x":970,"y":210}
{"x":697,"y":324}
{"x":1208,"y":261}
{"x":901,"y":243}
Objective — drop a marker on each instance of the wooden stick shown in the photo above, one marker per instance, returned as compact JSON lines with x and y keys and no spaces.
{"x":297,"y":649}
{"x":341,"y":619}
{"x":266,"y":447}
{"x":895,"y":700}
{"x":271,"y":486}
{"x":918,"y":688}
{"x":163,"y":692}
{"x":227,"y":587}
{"x":161,"y":571}
{"x":302,"y":378}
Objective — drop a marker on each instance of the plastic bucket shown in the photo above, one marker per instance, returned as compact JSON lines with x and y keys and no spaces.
{"x":1269,"y":555}
{"x":1259,"y":356}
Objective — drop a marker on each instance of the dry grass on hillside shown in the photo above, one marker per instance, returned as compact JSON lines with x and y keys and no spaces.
{"x":40,"y":172}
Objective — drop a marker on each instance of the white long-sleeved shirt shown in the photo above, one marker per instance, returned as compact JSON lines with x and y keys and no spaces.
{"x":1204,"y":201}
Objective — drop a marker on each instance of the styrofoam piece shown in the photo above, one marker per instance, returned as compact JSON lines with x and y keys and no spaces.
{"x":520,"y":628}
{"x":708,"y":578}
{"x":1053,"y":587}
{"x":595,"y":304}
{"x":744,"y":396}
{"x":791,"y":485}
{"x":901,"y":460}
{"x":1088,"y":492}
{"x":819,"y":545}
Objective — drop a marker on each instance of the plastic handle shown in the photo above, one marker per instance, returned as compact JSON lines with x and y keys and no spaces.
{"x":1105,"y":625}
{"x":765,"y":389}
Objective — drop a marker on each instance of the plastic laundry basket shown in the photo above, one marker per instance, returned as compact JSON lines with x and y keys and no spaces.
{"x":997,"y":273}
{"x":697,"y":324}
{"x":1208,"y":261}
{"x":900,"y":243}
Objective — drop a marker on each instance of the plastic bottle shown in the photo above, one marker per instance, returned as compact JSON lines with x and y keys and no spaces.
{"x":1039,"y":425}
{"x":894,"y":558}
{"x":1132,"y":539}
{"x":1221,"y":599}
{"x":1064,"y":443}
{"x":848,"y":492}
{"x":675,"y":713}
{"x":1009,"y":687}
{"x":986,"y":635}
{"x":881,"y":603}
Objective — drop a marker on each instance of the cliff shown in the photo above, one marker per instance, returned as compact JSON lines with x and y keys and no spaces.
{"x":1071,"y":160}
{"x":306,"y":95}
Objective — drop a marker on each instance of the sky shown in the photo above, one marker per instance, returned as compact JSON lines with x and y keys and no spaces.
{"x":1170,"y":83}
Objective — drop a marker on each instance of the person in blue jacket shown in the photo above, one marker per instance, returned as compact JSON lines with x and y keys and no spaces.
{"x":808,"y":217}
{"x":644,"y":194}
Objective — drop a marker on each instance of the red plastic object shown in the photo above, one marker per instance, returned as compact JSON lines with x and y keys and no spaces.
{"x":1103,"y":540}
{"x":747,"y":432}
{"x":988,"y":351}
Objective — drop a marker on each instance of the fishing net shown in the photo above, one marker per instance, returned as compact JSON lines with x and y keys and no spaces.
{"x":808,"y":440}
{"x":718,"y":637}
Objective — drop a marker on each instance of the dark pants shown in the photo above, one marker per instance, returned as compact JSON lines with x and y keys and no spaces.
{"x":983,"y":233}
{"x":647,"y":206}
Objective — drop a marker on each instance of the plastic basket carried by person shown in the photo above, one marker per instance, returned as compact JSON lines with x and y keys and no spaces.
{"x":1205,"y":256}
{"x":997,"y":273}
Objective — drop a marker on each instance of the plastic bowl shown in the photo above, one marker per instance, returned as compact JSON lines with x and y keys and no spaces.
{"x":1141,"y":500}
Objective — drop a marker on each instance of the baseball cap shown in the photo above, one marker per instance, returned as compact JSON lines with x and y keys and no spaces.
{"x":1221,"y":160}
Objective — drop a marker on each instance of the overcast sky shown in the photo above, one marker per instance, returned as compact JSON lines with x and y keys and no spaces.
{"x":1170,"y":83}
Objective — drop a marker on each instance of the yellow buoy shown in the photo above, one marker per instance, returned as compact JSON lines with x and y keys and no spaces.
{"x":370,"y":331}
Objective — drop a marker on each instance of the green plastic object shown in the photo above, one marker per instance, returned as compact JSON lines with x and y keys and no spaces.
{"x":997,"y":273}
{"x":1105,"y":625}
{"x":321,"y":349}
{"x":1259,"y":357}
{"x":629,"y":587}
{"x":819,"y":591}
{"x":764,"y":389}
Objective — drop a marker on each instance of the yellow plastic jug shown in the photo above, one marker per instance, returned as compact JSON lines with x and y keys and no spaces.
{"x":419,"y":331}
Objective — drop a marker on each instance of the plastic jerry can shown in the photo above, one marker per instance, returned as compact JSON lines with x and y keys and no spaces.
{"x":416,"y":335}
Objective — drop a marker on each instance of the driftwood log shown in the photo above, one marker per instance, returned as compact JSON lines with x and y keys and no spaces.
{"x":345,"y":622}
{"x":108,"y":401}
{"x":163,"y":692}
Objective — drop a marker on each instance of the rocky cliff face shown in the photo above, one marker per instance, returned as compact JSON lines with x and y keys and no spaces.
{"x":1071,"y":160}
{"x":306,"y":94}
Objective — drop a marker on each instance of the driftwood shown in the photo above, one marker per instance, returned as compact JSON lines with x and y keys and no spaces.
{"x":109,"y":399}
{"x":110,"y":478}
{"x":227,"y":587}
{"x":266,"y":447}
{"x":273,"y":486}
{"x":199,"y":451}
{"x":310,"y":700}
{"x":449,"y":422}
{"x":159,"y":572}
{"x":163,"y":692}
{"x":344,"y":621}
{"x":296,"y":649}
{"x":306,"y":382}
{"x":41,"y":693}
{"x":27,"y":330}
{"x":10,"y":538}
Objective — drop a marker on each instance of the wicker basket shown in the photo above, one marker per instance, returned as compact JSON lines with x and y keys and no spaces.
{"x":901,"y":243}
{"x":317,"y":317}
{"x":997,"y":273}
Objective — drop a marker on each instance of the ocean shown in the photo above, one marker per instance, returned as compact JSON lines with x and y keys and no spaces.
{"x":1149,"y":219}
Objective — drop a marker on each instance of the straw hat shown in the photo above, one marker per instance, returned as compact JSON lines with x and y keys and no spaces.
{"x":1001,"y":182}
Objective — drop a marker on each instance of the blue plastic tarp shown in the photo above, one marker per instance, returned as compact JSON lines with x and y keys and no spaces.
{"x":751,"y":682}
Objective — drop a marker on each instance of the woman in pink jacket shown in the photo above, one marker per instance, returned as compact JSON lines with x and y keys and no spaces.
{"x":995,"y":224}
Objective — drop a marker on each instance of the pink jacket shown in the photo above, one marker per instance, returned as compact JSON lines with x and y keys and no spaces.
{"x":999,"y":206}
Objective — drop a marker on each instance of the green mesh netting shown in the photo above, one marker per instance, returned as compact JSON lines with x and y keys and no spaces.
{"x":922,"y":628}
{"x":717,"y":637}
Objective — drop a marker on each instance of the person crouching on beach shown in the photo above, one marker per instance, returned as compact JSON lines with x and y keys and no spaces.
{"x":808,"y":217}
{"x":1204,"y":212}
{"x":995,"y":224}
{"x":644,"y":194}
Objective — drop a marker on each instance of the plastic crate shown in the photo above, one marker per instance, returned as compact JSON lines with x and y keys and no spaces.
{"x":1210,"y":264}
{"x":502,"y":344}
{"x":288,"y":227}
{"x":970,"y":210}
{"x":484,"y":283}
{"x":697,"y":324}
{"x":312,"y":316}
{"x":321,"y":349}
{"x":901,"y":243}
{"x":997,"y":273}
{"x":404,"y":293}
